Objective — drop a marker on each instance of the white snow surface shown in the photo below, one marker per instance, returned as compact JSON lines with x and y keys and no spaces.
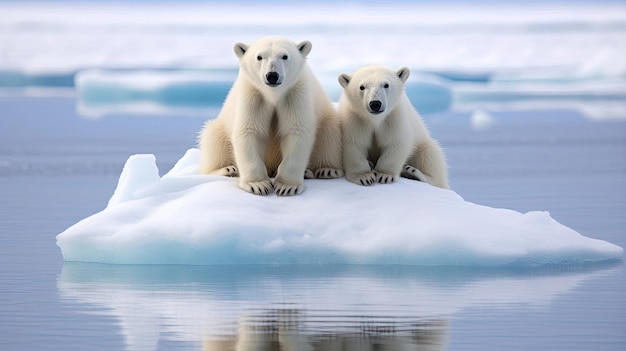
{"x":163,"y":57}
{"x":188,"y":218}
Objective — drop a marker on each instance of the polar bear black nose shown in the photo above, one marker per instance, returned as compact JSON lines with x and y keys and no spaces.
{"x":375,"y":105}
{"x":272,"y":77}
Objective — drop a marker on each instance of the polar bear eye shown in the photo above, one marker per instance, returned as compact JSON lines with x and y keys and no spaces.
{"x":362,"y":87}
{"x":285,"y":57}
{"x":386,"y":85}
{"x":259,"y":58}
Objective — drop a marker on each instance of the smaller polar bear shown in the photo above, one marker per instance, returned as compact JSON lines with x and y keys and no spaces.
{"x":276,"y":122}
{"x":383,"y":135}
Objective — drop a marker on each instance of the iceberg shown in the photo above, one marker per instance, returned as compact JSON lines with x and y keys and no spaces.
{"x":184,"y":217}
{"x":105,"y":92}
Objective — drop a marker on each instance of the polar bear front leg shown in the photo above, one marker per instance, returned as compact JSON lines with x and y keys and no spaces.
{"x":249,"y":153}
{"x":389,"y":164}
{"x":356,"y":166}
{"x":250,"y":141}
{"x":253,"y":176}
{"x":296,"y":148}
{"x":296,"y":131}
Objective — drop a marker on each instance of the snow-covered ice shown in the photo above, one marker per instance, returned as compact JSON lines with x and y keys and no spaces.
{"x":176,"y":58}
{"x":187,"y":218}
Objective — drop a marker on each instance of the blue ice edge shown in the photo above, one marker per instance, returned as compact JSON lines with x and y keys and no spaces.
{"x":178,"y":91}
{"x":102,"y":92}
{"x":191,"y":219}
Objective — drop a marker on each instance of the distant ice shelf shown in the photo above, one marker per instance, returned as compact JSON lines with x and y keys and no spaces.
{"x":104,"y":92}
{"x":167,"y":59}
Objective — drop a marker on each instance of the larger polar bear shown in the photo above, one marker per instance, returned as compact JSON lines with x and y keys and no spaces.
{"x":383,"y":135}
{"x":276,"y":121}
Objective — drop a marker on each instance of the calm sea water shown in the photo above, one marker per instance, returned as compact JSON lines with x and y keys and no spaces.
{"x":57,"y":168}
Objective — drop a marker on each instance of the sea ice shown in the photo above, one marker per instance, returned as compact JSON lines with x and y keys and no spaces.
{"x":103,"y":92}
{"x":187,"y":218}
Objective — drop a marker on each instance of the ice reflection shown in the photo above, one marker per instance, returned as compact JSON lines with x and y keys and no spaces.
{"x":289,"y":329}
{"x":304,"y":307}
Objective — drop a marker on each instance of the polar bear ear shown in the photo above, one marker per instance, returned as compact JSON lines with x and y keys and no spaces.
{"x":304,"y":47}
{"x":240,"y":49}
{"x":403,"y":74}
{"x":344,"y":79}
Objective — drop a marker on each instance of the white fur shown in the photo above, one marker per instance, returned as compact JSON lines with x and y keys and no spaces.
{"x":383,"y":135}
{"x":274,"y":131}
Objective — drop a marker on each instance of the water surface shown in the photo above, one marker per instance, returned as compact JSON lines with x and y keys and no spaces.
{"x":54,"y":174}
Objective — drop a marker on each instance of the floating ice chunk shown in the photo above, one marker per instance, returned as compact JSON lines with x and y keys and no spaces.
{"x":103,"y":92}
{"x":481,"y":120}
{"x":187,"y":218}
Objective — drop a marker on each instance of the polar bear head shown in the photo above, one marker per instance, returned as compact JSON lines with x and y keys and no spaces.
{"x":272,"y":62}
{"x":374,"y":90}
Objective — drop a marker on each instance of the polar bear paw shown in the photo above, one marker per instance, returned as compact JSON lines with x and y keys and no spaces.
{"x":367,"y":178}
{"x":308,"y":174}
{"x":228,"y":171}
{"x":328,"y":173}
{"x":263,"y":187}
{"x":283,"y":189}
{"x":385,"y":178}
{"x":412,"y":173}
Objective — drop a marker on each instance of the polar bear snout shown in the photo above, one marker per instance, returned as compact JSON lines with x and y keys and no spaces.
{"x":272,"y":79}
{"x":376,"y":107}
{"x":375,"y":100}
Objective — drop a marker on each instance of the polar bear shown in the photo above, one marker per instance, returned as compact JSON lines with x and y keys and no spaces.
{"x":276,"y":122}
{"x":383,"y":135}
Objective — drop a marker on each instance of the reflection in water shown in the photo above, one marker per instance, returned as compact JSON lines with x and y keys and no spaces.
{"x":328,"y":307}
{"x":288,"y":329}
